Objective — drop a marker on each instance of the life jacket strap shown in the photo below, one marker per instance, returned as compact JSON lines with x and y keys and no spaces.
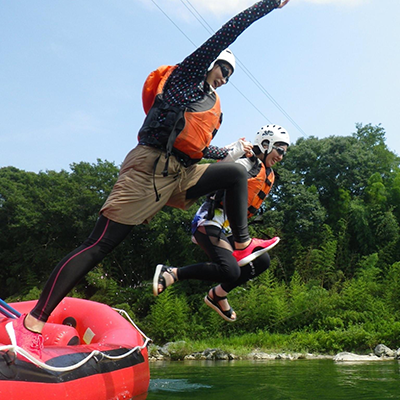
{"x":176,"y":129}
{"x":158,"y":196}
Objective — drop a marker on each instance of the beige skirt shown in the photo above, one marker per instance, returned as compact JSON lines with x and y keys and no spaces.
{"x":132,"y":200}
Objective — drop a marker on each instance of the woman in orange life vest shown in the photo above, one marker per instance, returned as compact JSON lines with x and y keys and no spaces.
{"x":163,"y":171}
{"x":212,"y":232}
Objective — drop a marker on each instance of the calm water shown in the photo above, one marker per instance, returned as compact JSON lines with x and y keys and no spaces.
{"x":274,"y":380}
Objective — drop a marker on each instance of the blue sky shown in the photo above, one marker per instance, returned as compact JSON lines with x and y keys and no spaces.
{"x":71,"y":72}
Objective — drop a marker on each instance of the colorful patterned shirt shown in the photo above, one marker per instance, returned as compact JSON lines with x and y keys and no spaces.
{"x":187,"y":84}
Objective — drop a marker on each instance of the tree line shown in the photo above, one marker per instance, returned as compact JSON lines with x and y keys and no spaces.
{"x":334,"y":279}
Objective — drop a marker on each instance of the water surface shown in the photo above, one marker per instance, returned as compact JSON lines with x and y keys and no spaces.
{"x":274,"y":380}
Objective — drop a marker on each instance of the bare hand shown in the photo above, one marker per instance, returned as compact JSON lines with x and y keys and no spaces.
{"x":247,"y":147}
{"x":283,"y":3}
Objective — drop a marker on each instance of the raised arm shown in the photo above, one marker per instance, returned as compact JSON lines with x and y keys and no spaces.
{"x":195,"y":66}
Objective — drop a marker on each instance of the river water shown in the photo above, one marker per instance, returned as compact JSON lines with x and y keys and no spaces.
{"x":274,"y":380}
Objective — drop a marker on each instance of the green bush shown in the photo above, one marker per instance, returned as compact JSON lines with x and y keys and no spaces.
{"x":169,"y":318}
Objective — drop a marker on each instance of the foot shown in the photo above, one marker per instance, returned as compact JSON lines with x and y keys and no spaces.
{"x":22,"y":337}
{"x":220,"y":305}
{"x":254,"y":250}
{"x":163,"y":277}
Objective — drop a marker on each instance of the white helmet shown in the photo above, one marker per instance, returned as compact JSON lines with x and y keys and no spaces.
{"x":226,"y":56}
{"x":273,"y":134}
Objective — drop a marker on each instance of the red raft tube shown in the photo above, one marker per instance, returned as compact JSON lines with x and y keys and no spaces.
{"x":91,"y":352}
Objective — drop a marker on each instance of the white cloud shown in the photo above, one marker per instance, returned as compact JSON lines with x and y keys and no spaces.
{"x":215,"y":7}
{"x":347,"y":3}
{"x":230,"y":7}
{"x":221,"y":7}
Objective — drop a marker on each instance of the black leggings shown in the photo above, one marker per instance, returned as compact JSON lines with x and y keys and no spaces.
{"x":71,"y":269}
{"x":107,"y":234}
{"x":233,"y":178}
{"x":223,"y":267}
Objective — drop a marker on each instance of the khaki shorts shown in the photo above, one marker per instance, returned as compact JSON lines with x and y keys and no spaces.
{"x":132,"y":201}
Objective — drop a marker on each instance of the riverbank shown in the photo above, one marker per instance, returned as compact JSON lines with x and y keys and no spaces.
{"x":182,"y":350}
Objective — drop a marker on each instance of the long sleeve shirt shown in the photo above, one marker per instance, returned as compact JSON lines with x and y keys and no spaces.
{"x":187,"y":84}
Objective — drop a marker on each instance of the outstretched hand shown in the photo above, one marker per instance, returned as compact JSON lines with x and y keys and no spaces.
{"x":283,"y":3}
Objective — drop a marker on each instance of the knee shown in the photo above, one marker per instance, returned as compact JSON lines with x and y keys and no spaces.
{"x":261,"y":263}
{"x":98,"y":249}
{"x":232,"y":273}
{"x":239,"y":171}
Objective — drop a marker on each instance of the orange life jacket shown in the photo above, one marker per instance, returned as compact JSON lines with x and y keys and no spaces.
{"x":154,"y":84}
{"x":203,"y":120}
{"x":258,"y":187}
{"x":186,"y":131}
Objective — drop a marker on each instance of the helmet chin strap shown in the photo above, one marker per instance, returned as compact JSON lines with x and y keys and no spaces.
{"x":257,"y":152}
{"x":267,"y":151}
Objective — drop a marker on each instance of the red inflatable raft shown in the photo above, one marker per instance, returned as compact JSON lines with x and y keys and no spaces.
{"x":91,"y":352}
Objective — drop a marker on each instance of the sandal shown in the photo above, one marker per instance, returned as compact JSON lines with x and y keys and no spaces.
{"x":214,"y":304}
{"x":159,"y":278}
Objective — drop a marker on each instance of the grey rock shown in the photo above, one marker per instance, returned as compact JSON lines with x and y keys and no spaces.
{"x":345,"y":356}
{"x":383,"y":351}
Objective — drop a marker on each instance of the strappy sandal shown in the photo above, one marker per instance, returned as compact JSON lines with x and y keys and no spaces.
{"x":159,"y":278}
{"x":214,"y":304}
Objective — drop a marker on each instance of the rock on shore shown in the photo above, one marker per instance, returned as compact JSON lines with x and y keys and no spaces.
{"x":381,"y":352}
{"x":179,"y":351}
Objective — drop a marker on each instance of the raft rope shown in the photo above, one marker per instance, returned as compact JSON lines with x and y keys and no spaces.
{"x":96,"y":354}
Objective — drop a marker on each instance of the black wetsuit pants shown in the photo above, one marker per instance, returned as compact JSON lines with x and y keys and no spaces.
{"x":107,"y":234}
{"x":223,"y":267}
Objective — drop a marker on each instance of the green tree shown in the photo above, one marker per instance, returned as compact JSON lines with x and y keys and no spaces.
{"x":46,"y":215}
